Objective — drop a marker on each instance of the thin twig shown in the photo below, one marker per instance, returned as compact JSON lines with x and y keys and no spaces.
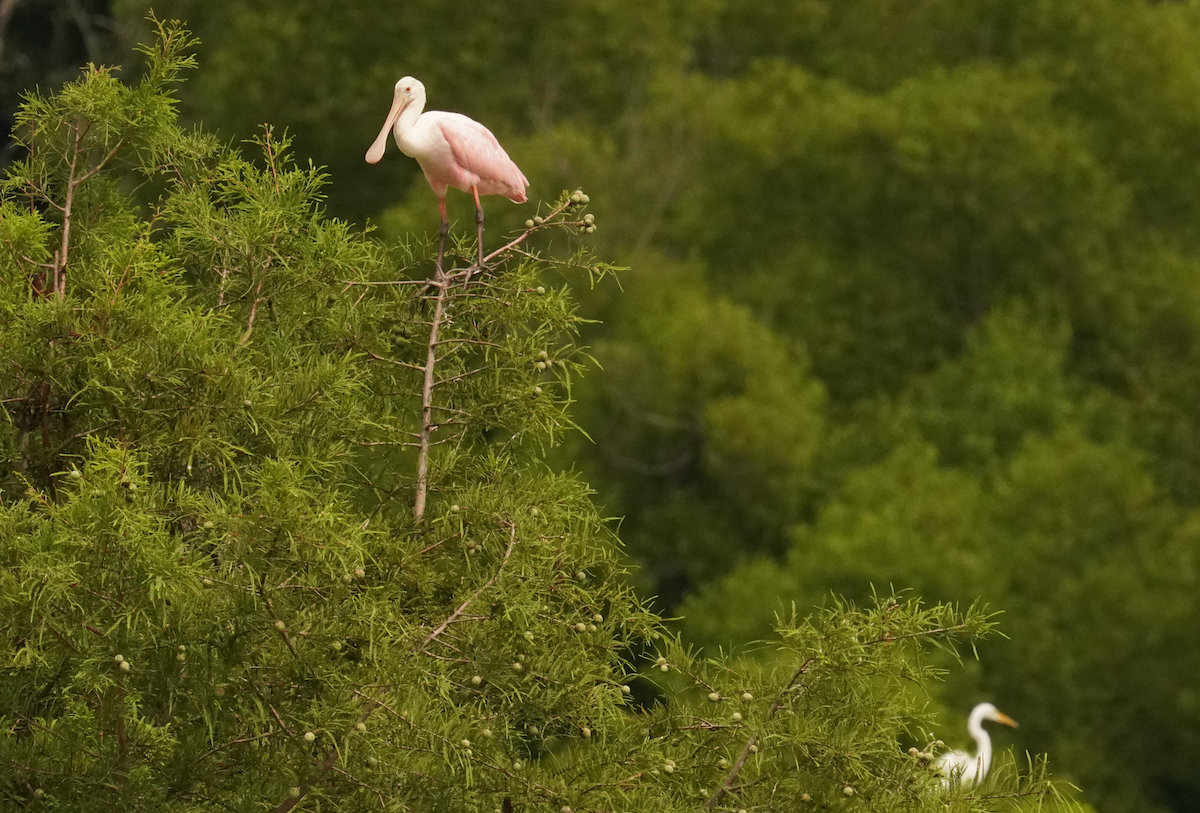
{"x":460,"y":376}
{"x":740,"y":762}
{"x":525,"y":234}
{"x":351,"y":282}
{"x":463,"y":607}
{"x":374,"y":700}
{"x":253,"y":313}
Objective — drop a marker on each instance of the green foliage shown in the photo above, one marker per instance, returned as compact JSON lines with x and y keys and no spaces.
{"x":913,"y":302}
{"x":971,"y":186}
{"x":707,"y":404}
{"x":276,"y":532}
{"x":1071,"y":534}
{"x":1009,"y":382}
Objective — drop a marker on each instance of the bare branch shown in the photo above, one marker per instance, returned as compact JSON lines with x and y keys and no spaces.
{"x":427,"y":425}
{"x":59,"y":281}
{"x":59,"y":266}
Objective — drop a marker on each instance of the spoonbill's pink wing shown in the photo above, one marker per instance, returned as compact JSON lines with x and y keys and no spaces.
{"x":477,"y":151}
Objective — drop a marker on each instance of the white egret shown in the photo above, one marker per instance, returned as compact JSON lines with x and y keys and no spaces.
{"x":969,"y":769}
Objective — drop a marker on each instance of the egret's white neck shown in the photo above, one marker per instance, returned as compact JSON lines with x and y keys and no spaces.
{"x":983,"y":757}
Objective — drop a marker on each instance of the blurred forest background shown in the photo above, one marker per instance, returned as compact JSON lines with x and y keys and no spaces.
{"x":913,"y":300}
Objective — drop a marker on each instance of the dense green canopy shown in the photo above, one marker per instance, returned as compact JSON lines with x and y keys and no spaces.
{"x":912,"y":302}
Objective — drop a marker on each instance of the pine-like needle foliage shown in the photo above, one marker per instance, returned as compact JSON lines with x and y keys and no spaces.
{"x":275,"y":533}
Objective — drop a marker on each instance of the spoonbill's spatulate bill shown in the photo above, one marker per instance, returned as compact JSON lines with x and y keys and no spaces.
{"x":452,"y":150}
{"x":970,"y":769}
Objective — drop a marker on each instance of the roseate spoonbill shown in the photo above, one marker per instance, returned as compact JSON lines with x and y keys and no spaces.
{"x":452,"y":150}
{"x":971,"y":769}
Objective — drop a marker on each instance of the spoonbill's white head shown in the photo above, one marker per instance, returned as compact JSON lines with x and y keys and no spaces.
{"x":408,"y":91}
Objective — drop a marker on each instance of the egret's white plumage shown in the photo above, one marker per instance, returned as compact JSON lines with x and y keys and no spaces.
{"x":969,"y":769}
{"x":452,"y":150}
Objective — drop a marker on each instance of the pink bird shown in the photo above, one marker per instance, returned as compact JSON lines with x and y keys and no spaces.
{"x":453,"y":150}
